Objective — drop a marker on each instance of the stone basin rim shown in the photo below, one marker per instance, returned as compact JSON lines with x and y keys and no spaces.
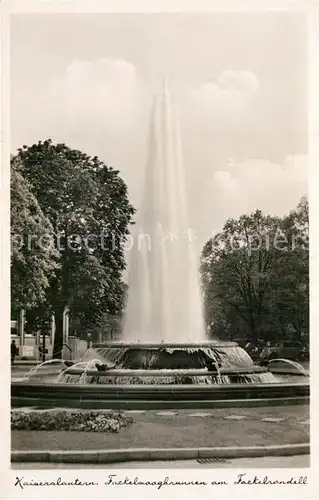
{"x":157,"y":345}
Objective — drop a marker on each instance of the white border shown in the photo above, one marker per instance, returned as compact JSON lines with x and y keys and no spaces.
{"x":7,"y":476}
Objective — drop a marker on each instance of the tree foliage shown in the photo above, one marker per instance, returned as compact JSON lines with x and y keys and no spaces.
{"x":255,"y":276}
{"x":32,"y":266}
{"x":87,"y":204}
{"x":290,"y":276}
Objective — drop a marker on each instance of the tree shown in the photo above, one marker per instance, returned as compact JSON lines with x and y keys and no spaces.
{"x":32,"y":262}
{"x":88,"y":207}
{"x":236,"y":265}
{"x":255,"y":276}
{"x":290,"y":298}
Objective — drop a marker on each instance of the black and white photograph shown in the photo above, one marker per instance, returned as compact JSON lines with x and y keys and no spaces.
{"x":159,"y":225}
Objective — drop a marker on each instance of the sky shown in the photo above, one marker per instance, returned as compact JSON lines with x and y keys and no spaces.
{"x":238,"y":79}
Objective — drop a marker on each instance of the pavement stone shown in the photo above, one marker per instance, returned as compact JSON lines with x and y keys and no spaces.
{"x":135,"y":411}
{"x":235,"y":417}
{"x":200,"y":414}
{"x":166,"y":413}
{"x":269,"y":419}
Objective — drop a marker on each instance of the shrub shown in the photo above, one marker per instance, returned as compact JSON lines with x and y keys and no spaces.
{"x":90,"y":421}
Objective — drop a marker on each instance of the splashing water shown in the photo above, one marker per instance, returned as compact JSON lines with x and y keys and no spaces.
{"x":84,"y":378}
{"x":296,"y":365}
{"x":163,"y":365}
{"x":35,"y":371}
{"x":139,"y":356}
{"x":164,"y":301}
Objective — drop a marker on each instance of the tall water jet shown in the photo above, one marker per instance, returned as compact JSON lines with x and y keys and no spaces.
{"x":164,"y":301}
{"x":164,"y":335}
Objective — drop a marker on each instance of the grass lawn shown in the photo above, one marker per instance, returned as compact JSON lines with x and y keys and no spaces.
{"x":183,"y":430}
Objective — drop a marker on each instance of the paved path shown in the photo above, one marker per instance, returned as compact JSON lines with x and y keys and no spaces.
{"x":183,"y":428}
{"x":299,"y":461}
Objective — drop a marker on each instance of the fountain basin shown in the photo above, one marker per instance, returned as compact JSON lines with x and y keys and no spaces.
{"x":136,"y":375}
{"x":170,"y":355}
{"x":172,"y":345}
{"x":122,"y":363}
{"x":209,"y":362}
{"x":157,"y":396}
{"x":162,"y":373}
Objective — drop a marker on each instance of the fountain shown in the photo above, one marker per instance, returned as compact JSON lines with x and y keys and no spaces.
{"x":165,"y":359}
{"x":164,"y":301}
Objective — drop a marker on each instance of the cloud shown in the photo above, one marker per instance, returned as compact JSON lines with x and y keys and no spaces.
{"x":241,"y":81}
{"x":240,"y":187}
{"x":274,"y":188}
{"x":98,"y":106}
{"x":103,"y":92}
{"x":101,"y":107}
{"x":86,"y":104}
{"x":226,"y":101}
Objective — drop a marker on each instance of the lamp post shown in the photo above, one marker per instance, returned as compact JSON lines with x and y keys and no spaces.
{"x":21,"y":326}
{"x":65,"y":328}
{"x":43,"y":345}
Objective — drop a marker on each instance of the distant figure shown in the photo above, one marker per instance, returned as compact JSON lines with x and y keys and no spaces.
{"x":41,"y":352}
{"x":89,"y":340}
{"x":14,"y":351}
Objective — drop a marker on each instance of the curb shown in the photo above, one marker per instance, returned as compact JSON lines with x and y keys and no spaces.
{"x":150,"y":454}
{"x":116,"y":404}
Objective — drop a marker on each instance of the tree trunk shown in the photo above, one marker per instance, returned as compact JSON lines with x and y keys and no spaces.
{"x":58,"y":338}
{"x":299,"y":330}
{"x":252,"y":326}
